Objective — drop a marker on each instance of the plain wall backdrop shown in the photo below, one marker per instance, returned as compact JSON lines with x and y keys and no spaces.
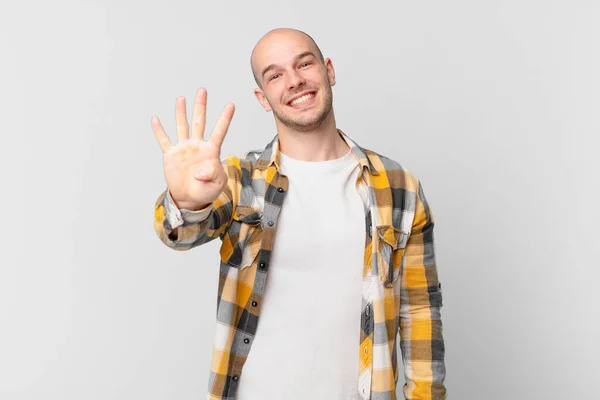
{"x":493,"y":105}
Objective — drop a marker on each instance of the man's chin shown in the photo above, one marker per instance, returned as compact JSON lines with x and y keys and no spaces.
{"x":312,"y":119}
{"x":304,"y":125}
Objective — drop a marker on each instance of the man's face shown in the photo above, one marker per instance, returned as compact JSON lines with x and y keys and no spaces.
{"x":296,"y":84}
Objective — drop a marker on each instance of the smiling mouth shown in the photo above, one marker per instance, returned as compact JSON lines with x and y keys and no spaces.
{"x":303,"y":100}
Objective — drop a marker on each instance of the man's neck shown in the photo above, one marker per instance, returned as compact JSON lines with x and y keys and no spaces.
{"x":321,"y":144}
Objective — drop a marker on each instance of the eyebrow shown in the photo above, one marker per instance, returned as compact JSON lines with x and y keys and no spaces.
{"x":299,"y":56}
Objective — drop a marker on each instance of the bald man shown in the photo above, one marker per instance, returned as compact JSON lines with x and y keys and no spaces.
{"x":327,"y":247}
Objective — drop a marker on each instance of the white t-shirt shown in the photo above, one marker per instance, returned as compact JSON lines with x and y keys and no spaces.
{"x":307,"y":340}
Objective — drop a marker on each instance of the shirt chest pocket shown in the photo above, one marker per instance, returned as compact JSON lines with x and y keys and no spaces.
{"x":390,"y":251}
{"x":242,"y":241}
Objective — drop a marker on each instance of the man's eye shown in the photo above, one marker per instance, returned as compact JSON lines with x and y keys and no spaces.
{"x":274,"y":76}
{"x":306,"y":63}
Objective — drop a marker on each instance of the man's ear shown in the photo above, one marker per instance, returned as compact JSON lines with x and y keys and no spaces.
{"x":330,"y":71}
{"x":262,"y":99}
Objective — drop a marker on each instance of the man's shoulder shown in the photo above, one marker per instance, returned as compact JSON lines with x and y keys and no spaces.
{"x":396,"y":172}
{"x":251,"y":157}
{"x":246,"y":160}
{"x":242,"y":168}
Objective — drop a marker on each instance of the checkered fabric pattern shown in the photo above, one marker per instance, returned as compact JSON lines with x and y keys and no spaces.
{"x":401,"y":292}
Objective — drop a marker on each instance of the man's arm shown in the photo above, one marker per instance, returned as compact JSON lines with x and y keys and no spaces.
{"x":421,"y":343}
{"x":182,"y":229}
{"x":196,"y":177}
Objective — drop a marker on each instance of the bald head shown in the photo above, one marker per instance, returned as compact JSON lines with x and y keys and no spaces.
{"x":275,"y":39}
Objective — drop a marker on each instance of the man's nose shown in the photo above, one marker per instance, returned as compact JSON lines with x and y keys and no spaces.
{"x":295,"y":80}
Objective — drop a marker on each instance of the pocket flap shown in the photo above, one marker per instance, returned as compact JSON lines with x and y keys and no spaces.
{"x":392,"y":236}
{"x":242,"y":242}
{"x":247,"y":214}
{"x":392,"y":241}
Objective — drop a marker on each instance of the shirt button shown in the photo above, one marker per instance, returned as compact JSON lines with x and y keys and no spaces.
{"x":254,"y":304}
{"x":262,"y":265}
{"x":235,"y":378}
{"x":270,"y":223}
{"x":366,"y":350}
{"x":246,"y":340}
{"x":280,"y":190}
{"x":368,"y":310}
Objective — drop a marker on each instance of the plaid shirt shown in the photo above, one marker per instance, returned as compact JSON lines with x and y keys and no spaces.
{"x":400,"y":292}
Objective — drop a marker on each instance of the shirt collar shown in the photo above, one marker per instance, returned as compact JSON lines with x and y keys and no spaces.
{"x":270,"y":155}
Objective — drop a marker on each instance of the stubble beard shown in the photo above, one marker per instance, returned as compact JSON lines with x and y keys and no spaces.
{"x":303,"y":124}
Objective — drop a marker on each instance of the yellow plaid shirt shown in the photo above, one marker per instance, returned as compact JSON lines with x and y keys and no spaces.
{"x":401,"y":292}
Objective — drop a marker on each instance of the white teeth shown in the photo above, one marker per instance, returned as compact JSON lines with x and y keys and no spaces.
{"x":302,"y":99}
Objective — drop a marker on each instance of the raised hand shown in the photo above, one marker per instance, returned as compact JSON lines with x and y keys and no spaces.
{"x":193,"y":170}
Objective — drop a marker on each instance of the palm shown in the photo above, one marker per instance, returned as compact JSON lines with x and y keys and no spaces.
{"x":181,"y":163}
{"x":192,"y":167}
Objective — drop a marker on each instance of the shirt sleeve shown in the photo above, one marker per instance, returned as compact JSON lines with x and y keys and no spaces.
{"x":421,"y":340}
{"x":177,"y":217}
{"x":182,"y":229}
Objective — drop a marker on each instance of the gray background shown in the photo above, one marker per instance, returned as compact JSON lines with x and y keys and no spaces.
{"x":494,"y":105}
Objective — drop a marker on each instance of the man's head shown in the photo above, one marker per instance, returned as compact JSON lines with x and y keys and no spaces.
{"x":293,"y":78}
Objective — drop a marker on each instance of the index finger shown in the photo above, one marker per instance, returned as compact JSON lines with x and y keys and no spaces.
{"x":220,"y":129}
{"x":161,"y":135}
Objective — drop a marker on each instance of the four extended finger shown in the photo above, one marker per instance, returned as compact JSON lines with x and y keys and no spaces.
{"x":181,"y":120}
{"x":220,"y":130}
{"x":161,"y":135}
{"x":199,"y":115}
